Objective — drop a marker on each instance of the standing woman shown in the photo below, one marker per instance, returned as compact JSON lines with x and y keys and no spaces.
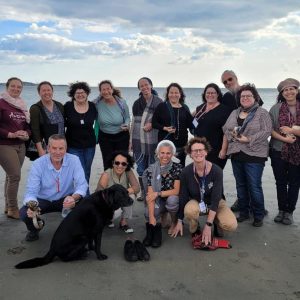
{"x":46,"y":117}
{"x":80,"y":116}
{"x":172,"y":118}
{"x":14,"y":131}
{"x":247,"y":130}
{"x":285,"y":148}
{"x":113,"y":119}
{"x":209,"y":119}
{"x":143,"y":136}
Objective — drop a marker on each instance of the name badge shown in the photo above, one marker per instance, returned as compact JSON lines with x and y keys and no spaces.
{"x":202,"y":207}
{"x":195,"y":123}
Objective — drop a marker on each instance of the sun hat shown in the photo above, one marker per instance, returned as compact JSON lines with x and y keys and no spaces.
{"x":286,"y":83}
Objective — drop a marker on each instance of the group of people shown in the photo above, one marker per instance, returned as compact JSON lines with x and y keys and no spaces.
{"x":233,"y":125}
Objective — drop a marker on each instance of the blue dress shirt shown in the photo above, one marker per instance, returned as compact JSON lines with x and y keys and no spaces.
{"x":47,"y":183}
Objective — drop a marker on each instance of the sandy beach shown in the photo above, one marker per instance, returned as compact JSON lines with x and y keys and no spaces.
{"x":264,"y":263}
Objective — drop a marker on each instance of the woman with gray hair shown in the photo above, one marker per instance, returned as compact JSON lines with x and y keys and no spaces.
{"x":162,"y":192}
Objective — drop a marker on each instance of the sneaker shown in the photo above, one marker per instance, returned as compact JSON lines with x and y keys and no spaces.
{"x":287,"y":219}
{"x":279,"y":217}
{"x":140,"y":199}
{"x":242,"y":218}
{"x":235,"y":206}
{"x":110,"y":224}
{"x":257,"y":223}
{"x":32,"y":236}
{"x":126,"y":228}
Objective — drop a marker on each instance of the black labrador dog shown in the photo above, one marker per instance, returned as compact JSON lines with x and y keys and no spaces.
{"x":83,"y":227}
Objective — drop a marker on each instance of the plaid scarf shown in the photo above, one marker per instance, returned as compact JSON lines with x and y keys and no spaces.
{"x":144,"y":143}
{"x":290,"y":152}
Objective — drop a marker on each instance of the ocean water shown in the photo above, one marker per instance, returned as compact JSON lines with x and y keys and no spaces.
{"x":130,"y":94}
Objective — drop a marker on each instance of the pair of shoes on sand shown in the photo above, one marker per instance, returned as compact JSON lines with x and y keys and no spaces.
{"x":135,"y":250}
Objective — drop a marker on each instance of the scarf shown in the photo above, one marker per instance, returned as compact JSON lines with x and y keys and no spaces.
{"x":157,"y":171}
{"x":290,"y":152}
{"x":251,"y":113}
{"x":144,"y":143}
{"x":18,"y":103}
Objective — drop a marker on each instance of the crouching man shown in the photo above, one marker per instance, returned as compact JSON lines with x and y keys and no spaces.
{"x":56,"y":181}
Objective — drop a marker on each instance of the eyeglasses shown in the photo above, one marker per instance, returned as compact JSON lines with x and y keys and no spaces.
{"x":246,"y":96}
{"x":123,"y":164}
{"x":210,"y":93}
{"x":80,"y":93}
{"x":198,"y":150}
{"x":228,"y":80}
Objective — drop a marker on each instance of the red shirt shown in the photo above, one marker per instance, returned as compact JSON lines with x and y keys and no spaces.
{"x":11,"y":120}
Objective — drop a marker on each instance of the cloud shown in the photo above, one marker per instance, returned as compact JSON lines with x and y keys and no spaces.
{"x":35,"y":27}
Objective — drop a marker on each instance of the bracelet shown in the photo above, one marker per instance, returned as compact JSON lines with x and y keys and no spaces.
{"x":209,"y":224}
{"x":159,"y":194}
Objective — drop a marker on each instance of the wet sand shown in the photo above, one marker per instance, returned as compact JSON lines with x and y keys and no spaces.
{"x":264,"y":263}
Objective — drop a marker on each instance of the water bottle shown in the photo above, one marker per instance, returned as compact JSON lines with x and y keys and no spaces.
{"x":65,"y":211}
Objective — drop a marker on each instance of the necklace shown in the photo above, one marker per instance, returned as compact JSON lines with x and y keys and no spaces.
{"x":81,"y":110}
{"x":176,"y":133}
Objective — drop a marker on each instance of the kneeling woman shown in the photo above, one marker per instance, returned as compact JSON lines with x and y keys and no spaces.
{"x":162,"y":192}
{"x":120,"y":172}
{"x":201,"y":187}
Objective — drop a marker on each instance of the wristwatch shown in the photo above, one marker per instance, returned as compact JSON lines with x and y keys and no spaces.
{"x":159,"y":194}
{"x":209,"y":224}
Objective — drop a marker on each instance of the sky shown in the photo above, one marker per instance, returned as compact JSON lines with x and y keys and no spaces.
{"x":186,"y":41}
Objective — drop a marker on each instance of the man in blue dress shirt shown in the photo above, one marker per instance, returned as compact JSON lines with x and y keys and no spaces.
{"x":56,"y":181}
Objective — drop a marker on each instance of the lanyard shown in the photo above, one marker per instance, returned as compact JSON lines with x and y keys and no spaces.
{"x":201,"y":184}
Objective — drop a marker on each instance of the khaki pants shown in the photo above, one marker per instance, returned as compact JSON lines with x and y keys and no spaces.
{"x":224,"y":216}
{"x":11,"y":160}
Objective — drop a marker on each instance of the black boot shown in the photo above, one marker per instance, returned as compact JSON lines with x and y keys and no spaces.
{"x":149,"y":235}
{"x":157,"y":236}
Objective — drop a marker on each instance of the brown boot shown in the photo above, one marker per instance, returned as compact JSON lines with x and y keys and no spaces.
{"x":13,"y":213}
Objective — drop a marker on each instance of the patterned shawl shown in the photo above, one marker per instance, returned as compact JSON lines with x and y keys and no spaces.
{"x":144,"y":143}
{"x":290,"y":152}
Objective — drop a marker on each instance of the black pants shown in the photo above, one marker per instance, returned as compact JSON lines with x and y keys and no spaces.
{"x":112,"y":142}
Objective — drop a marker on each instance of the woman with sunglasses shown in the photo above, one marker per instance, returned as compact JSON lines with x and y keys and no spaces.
{"x":162,"y":180}
{"x":201,"y":187}
{"x":247,"y":130}
{"x":120,"y":172}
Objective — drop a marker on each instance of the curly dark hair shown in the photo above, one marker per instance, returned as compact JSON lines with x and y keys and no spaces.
{"x":197,"y":140}
{"x":130,"y":160}
{"x":216,"y":88}
{"x":116,"y":92}
{"x":248,"y":87}
{"x":11,"y":79}
{"x":182,"y":94}
{"x":78,"y":85}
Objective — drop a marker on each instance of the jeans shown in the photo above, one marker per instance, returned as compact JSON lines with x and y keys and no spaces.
{"x":287,"y":178}
{"x":86,"y":156}
{"x":45,"y":206}
{"x":142,"y":163}
{"x":248,"y":185}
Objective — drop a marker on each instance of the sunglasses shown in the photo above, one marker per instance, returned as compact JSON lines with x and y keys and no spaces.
{"x":228,"y":80}
{"x":123,"y":164}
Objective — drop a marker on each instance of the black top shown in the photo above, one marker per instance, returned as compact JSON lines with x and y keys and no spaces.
{"x":162,"y":118}
{"x":232,"y":103}
{"x":210,"y":125}
{"x":79,"y":127}
{"x":190,"y":188}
